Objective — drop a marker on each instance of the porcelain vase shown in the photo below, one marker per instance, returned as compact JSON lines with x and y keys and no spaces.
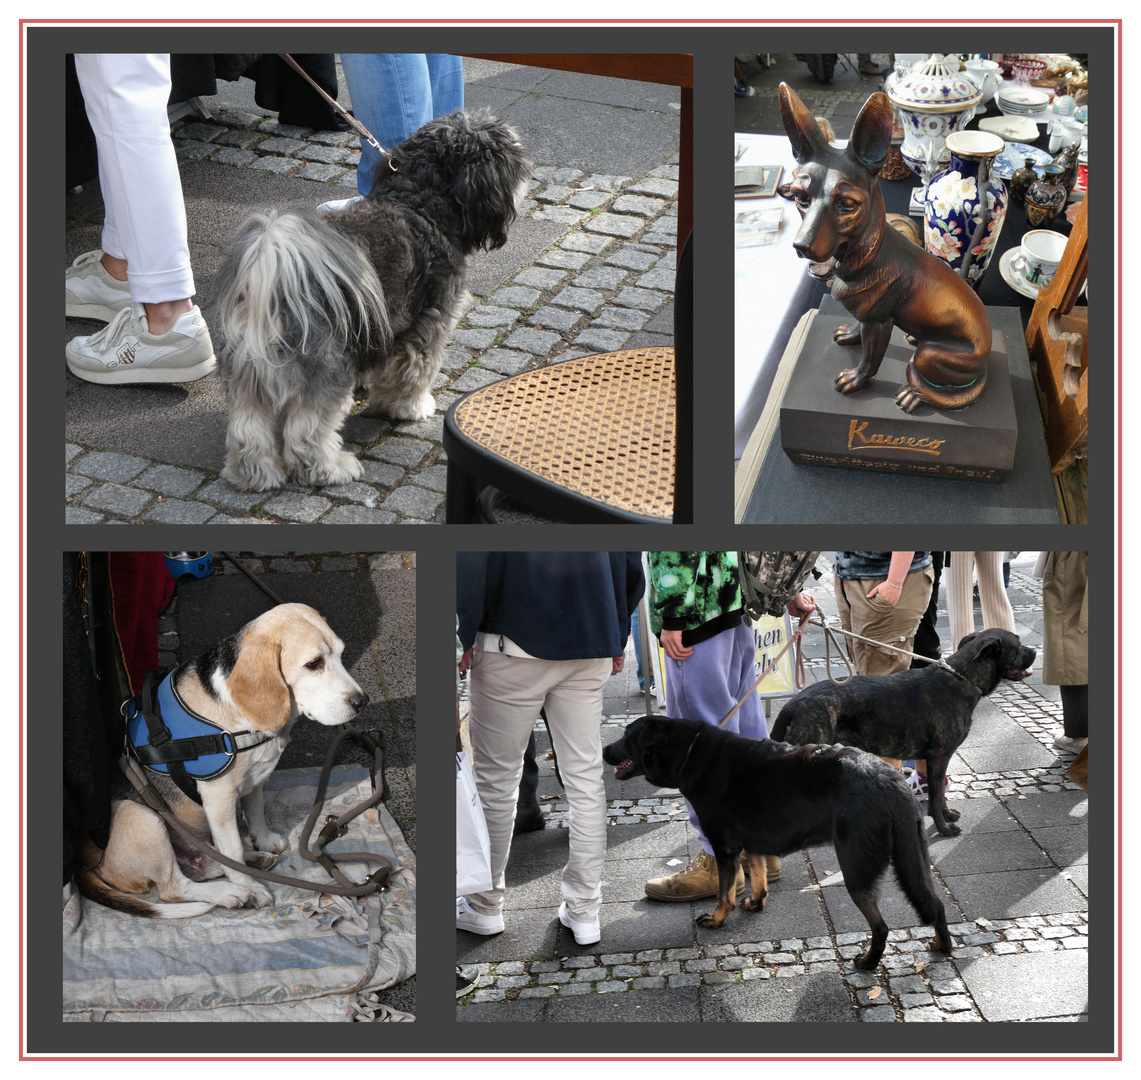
{"x":953,"y":207}
{"x":1046,"y":197}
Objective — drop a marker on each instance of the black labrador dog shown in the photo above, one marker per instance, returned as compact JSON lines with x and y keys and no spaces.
{"x":767,"y":798}
{"x":921,"y":713}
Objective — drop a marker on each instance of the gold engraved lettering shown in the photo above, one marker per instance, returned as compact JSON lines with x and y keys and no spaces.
{"x":858,"y":440}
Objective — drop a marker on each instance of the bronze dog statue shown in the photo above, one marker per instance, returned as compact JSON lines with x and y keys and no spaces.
{"x":878,"y":275}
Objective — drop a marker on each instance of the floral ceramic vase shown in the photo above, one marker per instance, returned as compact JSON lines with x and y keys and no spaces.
{"x":960,"y":225}
{"x":1020,"y":182}
{"x":1046,"y":197}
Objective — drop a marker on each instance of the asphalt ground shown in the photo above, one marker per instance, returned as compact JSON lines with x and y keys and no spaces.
{"x":1015,"y":885}
{"x":588,"y":268}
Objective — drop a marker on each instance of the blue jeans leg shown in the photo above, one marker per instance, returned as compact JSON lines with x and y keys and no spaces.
{"x":394,"y":94}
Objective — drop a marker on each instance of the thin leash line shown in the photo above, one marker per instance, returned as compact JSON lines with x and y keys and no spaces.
{"x":829,"y":637}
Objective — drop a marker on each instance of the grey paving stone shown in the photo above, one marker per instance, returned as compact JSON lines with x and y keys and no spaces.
{"x":555,"y":318}
{"x":492,"y":317}
{"x":639,"y":205}
{"x":413,"y":501}
{"x":588,"y":200}
{"x":614,"y":225}
{"x":170,"y":480}
{"x":279,"y":166}
{"x":297,"y":507}
{"x":586,"y":300}
{"x":593,"y":245}
{"x":643,"y":299}
{"x":503,"y":361}
{"x":76,"y":515}
{"x":479,"y":338}
{"x":180,"y":512}
{"x":564,"y":260}
{"x":516,"y":297}
{"x":116,"y":499}
{"x":538,"y":342}
{"x":117,"y":468}
{"x":600,"y":340}
{"x":400,"y":451}
{"x":1028,"y":987}
{"x":540,"y":277}
{"x":475,"y":378}
{"x":631,"y":258}
{"x":603,"y":277}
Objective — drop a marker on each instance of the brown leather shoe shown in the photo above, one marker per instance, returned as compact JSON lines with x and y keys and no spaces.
{"x":695,"y":882}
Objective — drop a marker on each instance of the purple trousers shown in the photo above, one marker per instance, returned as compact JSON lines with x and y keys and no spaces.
{"x":710,"y":682}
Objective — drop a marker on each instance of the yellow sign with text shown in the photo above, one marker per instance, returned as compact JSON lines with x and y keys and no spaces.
{"x":770,"y":634}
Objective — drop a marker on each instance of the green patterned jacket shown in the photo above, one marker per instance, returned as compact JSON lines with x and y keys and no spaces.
{"x":696,"y":592}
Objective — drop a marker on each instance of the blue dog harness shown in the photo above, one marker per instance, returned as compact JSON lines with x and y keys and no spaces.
{"x":166,"y":736}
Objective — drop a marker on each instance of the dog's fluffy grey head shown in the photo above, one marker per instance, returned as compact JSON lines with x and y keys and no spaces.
{"x":473,"y":160}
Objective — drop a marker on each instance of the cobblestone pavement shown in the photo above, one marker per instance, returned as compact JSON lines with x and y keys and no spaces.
{"x":1016,"y":799}
{"x":592,"y":270}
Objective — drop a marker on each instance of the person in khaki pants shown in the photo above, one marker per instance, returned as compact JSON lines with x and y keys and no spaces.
{"x":543,"y":630}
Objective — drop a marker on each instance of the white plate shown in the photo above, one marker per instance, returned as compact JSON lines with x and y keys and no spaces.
{"x":1024,"y":100}
{"x":1011,"y":128}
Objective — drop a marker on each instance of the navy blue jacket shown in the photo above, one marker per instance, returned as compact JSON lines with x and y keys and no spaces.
{"x":556,"y":605}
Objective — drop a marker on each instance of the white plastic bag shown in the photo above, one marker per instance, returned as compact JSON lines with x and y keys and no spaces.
{"x":473,"y":849}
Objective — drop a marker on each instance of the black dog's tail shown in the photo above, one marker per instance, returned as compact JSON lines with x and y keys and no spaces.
{"x":912,"y":862}
{"x":293,"y":287}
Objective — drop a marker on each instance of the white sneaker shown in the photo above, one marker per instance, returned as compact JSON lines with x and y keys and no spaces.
{"x":125,"y":351}
{"x":1070,"y":746}
{"x":334,"y":206}
{"x":92,"y":293}
{"x":473,"y":922}
{"x":585,"y":933}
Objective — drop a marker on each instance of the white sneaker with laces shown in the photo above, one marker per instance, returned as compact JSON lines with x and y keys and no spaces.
{"x":467,"y":918}
{"x":585,"y":933}
{"x":125,"y":351}
{"x":91,"y":293}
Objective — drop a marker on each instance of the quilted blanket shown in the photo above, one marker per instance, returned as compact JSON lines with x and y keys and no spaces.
{"x":307,"y":958}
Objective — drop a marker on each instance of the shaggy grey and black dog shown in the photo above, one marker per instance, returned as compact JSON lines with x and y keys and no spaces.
{"x":314,"y":305}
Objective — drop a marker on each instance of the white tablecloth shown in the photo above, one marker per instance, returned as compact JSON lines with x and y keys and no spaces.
{"x":770,"y":283}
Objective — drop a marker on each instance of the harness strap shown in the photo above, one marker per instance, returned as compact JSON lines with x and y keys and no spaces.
{"x":164,"y":752}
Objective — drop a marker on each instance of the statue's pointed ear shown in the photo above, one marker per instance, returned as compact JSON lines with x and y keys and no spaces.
{"x":808,"y":141}
{"x":871,"y":134}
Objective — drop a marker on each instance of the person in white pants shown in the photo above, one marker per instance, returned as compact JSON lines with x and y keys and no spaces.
{"x":140,"y":283}
{"x":543,"y":630}
{"x":997,"y":612}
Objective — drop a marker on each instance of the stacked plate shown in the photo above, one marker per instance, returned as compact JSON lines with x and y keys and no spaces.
{"x":1022,"y":101}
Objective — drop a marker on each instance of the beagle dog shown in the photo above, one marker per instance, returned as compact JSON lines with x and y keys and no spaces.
{"x":252,"y":687}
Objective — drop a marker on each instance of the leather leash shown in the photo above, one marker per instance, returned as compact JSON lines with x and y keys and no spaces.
{"x":345,"y":115}
{"x":805,"y":618}
{"x":334,"y":827}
